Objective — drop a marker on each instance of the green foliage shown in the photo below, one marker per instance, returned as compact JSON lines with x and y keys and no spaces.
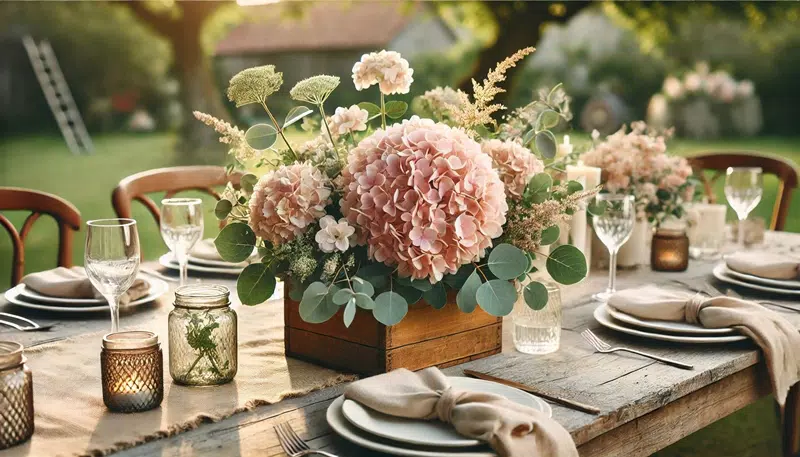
{"x":395,"y":109}
{"x":235,"y":242}
{"x":261,"y":136}
{"x":566,"y":264}
{"x":222,"y":209}
{"x":550,"y":235}
{"x":507,"y":262}
{"x":248,"y":182}
{"x":199,"y":332}
{"x":372,"y":109}
{"x":390,"y":308}
{"x":436,"y":296}
{"x":297,"y":113}
{"x":315,"y":306}
{"x":349,"y":312}
{"x":497,"y":297}
{"x":535,"y":294}
{"x":545,"y":142}
{"x":256,"y":284}
{"x":466,"y":296}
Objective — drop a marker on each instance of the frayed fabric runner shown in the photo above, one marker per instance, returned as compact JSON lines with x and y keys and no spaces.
{"x":72,"y":420}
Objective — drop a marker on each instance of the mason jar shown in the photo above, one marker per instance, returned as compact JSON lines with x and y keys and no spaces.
{"x":538,"y":331}
{"x":202,"y":336}
{"x":16,"y":396}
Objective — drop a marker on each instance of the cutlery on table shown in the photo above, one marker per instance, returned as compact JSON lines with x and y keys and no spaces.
{"x":601,"y":346}
{"x":734,"y":294}
{"x":293,"y":445}
{"x":32,"y":327}
{"x":561,"y":401}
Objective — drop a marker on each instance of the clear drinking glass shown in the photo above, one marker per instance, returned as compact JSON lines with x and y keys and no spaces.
{"x":111,"y":259}
{"x":538,"y":331}
{"x":181,"y":228}
{"x":743,"y":189}
{"x":614,"y":226}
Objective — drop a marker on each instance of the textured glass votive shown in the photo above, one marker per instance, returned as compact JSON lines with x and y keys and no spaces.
{"x":538,"y":331}
{"x":670,"y":251}
{"x":132,"y":370}
{"x":202,"y":336}
{"x":16,"y":396}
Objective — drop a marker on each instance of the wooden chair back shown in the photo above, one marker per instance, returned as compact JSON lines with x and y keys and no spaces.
{"x":785,"y":171}
{"x":170,"y":180}
{"x":38,"y":203}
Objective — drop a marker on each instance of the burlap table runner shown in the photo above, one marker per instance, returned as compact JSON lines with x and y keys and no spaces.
{"x":72,"y":420}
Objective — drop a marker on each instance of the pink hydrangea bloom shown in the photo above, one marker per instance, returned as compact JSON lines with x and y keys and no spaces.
{"x":387,"y":69}
{"x":348,"y":120}
{"x":515,"y":164}
{"x":424,"y":197}
{"x":287,"y":200}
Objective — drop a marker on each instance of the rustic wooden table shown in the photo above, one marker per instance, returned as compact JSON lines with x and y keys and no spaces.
{"x":645,"y":405}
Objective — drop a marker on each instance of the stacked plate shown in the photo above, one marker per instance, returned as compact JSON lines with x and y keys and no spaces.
{"x":24,"y":296}
{"x":775,"y":286}
{"x":418,"y":438}
{"x":676,"y":332}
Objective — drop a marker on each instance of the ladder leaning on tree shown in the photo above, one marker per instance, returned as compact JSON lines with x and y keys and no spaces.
{"x":58,"y":95}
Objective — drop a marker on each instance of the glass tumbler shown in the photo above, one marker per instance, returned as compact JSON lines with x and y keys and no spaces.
{"x":538,"y":331}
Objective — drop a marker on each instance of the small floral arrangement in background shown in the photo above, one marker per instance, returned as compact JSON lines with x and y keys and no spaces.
{"x":705,"y":104}
{"x":636,"y":162}
{"x":379,"y":212}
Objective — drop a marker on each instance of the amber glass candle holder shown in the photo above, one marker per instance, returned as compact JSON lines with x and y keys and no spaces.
{"x":670,"y":251}
{"x":16,"y":396}
{"x":132,"y":366}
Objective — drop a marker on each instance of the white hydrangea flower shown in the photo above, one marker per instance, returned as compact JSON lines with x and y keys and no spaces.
{"x":335,"y":236}
{"x":388,"y":69}
{"x":348,"y":120}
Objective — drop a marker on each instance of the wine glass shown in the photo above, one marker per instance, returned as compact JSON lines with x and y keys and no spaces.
{"x":181,"y":228}
{"x":111,"y":259}
{"x":614,"y":226}
{"x":743,"y":189}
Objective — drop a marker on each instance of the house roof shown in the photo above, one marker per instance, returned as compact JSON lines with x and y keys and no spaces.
{"x":324,"y":26}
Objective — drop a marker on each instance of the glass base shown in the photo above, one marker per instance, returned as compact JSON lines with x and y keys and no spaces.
{"x":603,"y":296}
{"x":536,"y":339}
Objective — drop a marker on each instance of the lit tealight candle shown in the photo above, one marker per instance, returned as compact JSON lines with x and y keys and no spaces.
{"x":132,"y":371}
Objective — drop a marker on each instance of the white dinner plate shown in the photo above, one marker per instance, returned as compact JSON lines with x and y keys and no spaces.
{"x":215,"y":263}
{"x":721,"y":272}
{"x":751,"y":279}
{"x":602,"y":316}
{"x":158,"y":288}
{"x":168,"y":261}
{"x":667,"y":326}
{"x":351,"y":433}
{"x":434,"y":433}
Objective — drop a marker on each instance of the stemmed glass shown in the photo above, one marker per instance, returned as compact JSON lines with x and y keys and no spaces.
{"x":111,"y":259}
{"x":743,"y":189}
{"x":181,"y":228}
{"x":614,"y":226}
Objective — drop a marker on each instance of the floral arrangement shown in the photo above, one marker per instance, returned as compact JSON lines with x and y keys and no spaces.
{"x":636,"y":162}
{"x":705,"y":104}
{"x":379,"y":212}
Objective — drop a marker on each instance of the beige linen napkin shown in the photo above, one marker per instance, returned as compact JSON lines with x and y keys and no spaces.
{"x":776,"y":336}
{"x":511,"y":429}
{"x":765,"y":264}
{"x":73,"y":283}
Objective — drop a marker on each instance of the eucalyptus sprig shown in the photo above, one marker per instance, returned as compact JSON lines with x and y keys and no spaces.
{"x":199,"y":331}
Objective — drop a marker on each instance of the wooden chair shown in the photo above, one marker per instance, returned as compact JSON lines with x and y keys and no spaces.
{"x":170,"y":180}
{"x":64,"y":212}
{"x":783,"y":169}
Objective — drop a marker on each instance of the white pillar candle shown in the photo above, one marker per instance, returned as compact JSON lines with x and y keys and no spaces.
{"x":565,"y":148}
{"x":590,"y":178}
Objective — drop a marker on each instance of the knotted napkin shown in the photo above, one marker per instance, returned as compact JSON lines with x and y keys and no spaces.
{"x":512,"y":430}
{"x":73,"y":283}
{"x":765,"y":264}
{"x":776,"y":336}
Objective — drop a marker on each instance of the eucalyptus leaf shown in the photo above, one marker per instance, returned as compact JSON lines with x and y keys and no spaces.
{"x":456,"y":280}
{"x":421,"y":284}
{"x":535,"y":295}
{"x":547,"y":120}
{"x":364,"y":301}
{"x":566,"y":264}
{"x":574,"y":186}
{"x":528,"y":137}
{"x":248,"y":181}
{"x":550,"y":235}
{"x":395,"y":109}
{"x":545,"y":143}
{"x":411,"y":294}
{"x":222,"y":209}
{"x":597,"y":208}
{"x":436,"y":296}
{"x":261,"y":136}
{"x":297,"y":113}
{"x":390,"y":308}
{"x":235,"y":242}
{"x":314,"y":309}
{"x":374,"y":269}
{"x":342,"y":296}
{"x":466,"y":297}
{"x":349,"y":312}
{"x":256,"y":284}
{"x":497,"y":297}
{"x":295,"y":290}
{"x":373,"y":110}
{"x":507,"y":261}
{"x":540,"y":182}
{"x":361,"y":285}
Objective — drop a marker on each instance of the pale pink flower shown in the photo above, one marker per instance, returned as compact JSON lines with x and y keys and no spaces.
{"x":515,"y":164}
{"x":673,"y":87}
{"x":693,"y":82}
{"x":424,"y":197}
{"x":348,"y":120}
{"x":387,"y":69}
{"x":287,"y":200}
{"x":334,"y":236}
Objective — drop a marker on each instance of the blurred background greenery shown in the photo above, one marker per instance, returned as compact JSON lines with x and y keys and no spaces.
{"x":138,"y":69}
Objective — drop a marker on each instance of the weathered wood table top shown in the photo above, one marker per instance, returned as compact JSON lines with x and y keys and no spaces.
{"x":645,"y":405}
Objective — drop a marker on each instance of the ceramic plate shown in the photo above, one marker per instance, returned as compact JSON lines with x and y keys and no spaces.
{"x":667,"y":326}
{"x":433,"y":433}
{"x":14,"y":295}
{"x":783,"y":284}
{"x":351,"y":433}
{"x":602,"y":316}
{"x":721,"y":272}
{"x":166,"y":260}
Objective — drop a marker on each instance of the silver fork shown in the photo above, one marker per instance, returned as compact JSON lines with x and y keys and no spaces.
{"x":33,"y":327}
{"x":293,"y":445}
{"x":602,"y":346}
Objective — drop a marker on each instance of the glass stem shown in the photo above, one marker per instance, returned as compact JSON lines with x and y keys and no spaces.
{"x":741,"y":232}
{"x":612,"y":272}
{"x":113,"y":304}
{"x":184,"y":273}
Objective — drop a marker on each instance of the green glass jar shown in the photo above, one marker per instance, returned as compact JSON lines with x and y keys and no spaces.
{"x":202,"y":336}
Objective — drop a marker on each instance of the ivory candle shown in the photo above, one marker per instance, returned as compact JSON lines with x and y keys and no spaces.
{"x":590,"y":178}
{"x":591,"y":174}
{"x":565,"y":148}
{"x":706,"y":229}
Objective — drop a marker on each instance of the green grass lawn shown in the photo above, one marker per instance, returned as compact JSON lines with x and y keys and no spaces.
{"x":44,"y":163}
